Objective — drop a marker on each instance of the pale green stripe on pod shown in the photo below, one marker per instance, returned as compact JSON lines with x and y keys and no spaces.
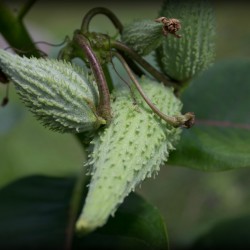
{"x":130,"y":149}
{"x":59,"y":94}
{"x":183,"y":58}
{"x":143,"y":36}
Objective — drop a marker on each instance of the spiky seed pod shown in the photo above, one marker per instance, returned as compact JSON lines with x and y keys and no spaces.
{"x":143,"y":36}
{"x":182,"y":58}
{"x":130,"y":149}
{"x":59,"y":94}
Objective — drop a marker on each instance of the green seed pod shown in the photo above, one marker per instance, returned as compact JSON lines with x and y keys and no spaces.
{"x":143,"y":36}
{"x":183,"y":58}
{"x":59,"y":94}
{"x":130,"y":149}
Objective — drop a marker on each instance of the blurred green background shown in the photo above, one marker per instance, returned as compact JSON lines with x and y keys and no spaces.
{"x":189,"y":200}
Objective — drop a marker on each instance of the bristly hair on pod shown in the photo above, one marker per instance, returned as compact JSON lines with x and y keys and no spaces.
{"x":183,"y":58}
{"x":131,"y":148}
{"x":59,"y":94}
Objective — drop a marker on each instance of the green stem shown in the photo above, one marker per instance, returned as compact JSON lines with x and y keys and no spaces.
{"x":132,"y":64}
{"x":103,"y":109}
{"x":15,"y":33}
{"x":25,"y":9}
{"x":100,"y":10}
{"x":154,"y":72}
{"x":186,"y":120}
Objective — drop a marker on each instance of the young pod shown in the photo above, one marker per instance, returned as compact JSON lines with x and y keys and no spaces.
{"x":61,"y":95}
{"x":183,"y":58}
{"x":143,"y":36}
{"x":130,"y":149}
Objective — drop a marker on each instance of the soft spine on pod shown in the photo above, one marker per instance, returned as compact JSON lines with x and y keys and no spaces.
{"x":130,"y":149}
{"x":59,"y":94}
{"x":143,"y":36}
{"x":182,"y":58}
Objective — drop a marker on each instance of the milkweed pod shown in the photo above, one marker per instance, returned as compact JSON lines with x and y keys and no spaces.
{"x":183,"y":58}
{"x":130,"y":149}
{"x":143,"y":36}
{"x":61,"y":95}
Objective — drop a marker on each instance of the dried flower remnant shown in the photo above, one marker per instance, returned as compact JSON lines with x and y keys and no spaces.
{"x":184,"y":58}
{"x":170,"y":25}
{"x":144,"y":36}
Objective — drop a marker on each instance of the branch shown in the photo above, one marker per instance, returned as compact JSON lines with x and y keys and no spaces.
{"x":15,"y":33}
{"x":25,"y":9}
{"x":103,"y":109}
{"x":186,"y":120}
{"x":100,"y":10}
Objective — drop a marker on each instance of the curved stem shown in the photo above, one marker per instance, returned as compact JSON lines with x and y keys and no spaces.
{"x":103,"y":109}
{"x":154,"y":72}
{"x":113,"y":18}
{"x":100,"y":10}
{"x":136,"y":69}
{"x":185,"y":120}
{"x":118,"y":74}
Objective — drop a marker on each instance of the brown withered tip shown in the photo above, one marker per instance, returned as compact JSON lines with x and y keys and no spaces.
{"x":170,"y":25}
{"x":190,"y":120}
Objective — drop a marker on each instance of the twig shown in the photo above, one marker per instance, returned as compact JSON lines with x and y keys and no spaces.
{"x":15,"y":33}
{"x":25,"y":9}
{"x":103,"y":109}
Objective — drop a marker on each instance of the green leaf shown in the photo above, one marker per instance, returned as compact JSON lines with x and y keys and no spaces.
{"x":139,"y":220}
{"x":220,"y":140}
{"x":34,"y":214}
{"x":227,"y":234}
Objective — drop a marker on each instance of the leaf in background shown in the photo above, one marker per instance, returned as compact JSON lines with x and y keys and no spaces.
{"x":34,"y":215}
{"x":10,"y":115}
{"x":220,"y":140}
{"x":227,"y":234}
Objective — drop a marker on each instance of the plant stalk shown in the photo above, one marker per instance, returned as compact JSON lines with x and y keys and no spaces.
{"x":15,"y":33}
{"x":25,"y":9}
{"x":100,"y":10}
